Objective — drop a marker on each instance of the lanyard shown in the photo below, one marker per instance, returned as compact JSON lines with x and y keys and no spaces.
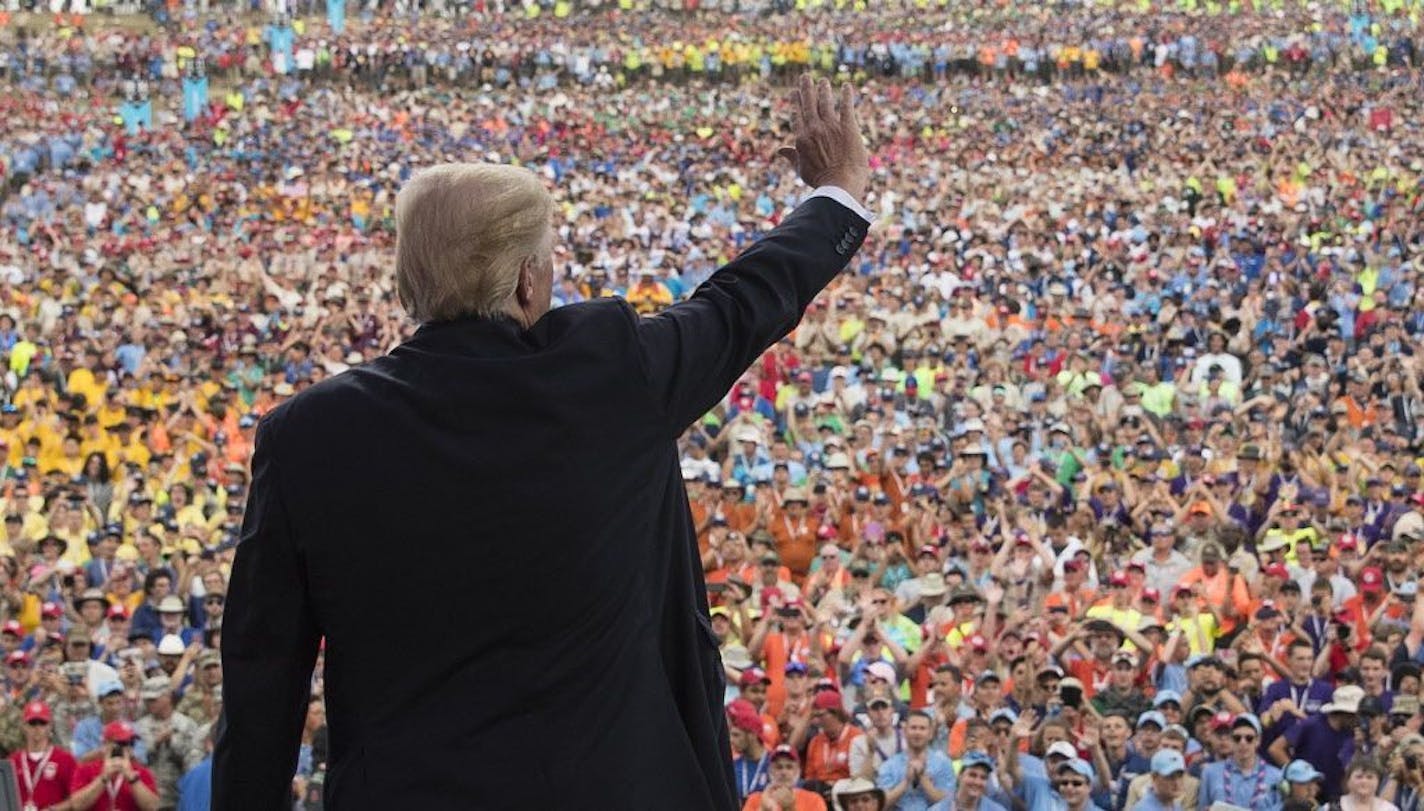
{"x":32,"y":779}
{"x":112,"y":788}
{"x":758,"y":776}
{"x":1258,"y":773}
{"x":899,"y":746}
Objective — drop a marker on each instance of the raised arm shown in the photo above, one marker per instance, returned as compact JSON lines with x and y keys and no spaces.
{"x":694,"y":351}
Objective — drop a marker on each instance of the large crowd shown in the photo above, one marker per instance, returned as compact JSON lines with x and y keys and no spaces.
{"x":1094,"y":482}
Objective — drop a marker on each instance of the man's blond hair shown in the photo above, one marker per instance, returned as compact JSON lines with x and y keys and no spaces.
{"x":462,"y":231}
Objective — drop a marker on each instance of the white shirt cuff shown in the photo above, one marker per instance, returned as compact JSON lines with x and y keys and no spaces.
{"x":843,"y":197}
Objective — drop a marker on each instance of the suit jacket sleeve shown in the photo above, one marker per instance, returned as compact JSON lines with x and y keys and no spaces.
{"x":269,"y":646}
{"x":694,"y":351}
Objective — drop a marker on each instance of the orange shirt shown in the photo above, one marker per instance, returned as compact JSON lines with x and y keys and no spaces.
{"x":827,"y":758}
{"x":805,"y":801}
{"x":1214,"y":591}
{"x":796,"y":543}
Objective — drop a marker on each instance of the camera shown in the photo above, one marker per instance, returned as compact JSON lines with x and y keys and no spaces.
{"x":1411,"y":760}
{"x":117,"y":750}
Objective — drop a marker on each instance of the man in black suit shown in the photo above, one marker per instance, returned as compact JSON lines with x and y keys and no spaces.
{"x":509,"y":476}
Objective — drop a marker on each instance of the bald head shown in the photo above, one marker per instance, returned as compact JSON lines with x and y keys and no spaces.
{"x":474,"y":239}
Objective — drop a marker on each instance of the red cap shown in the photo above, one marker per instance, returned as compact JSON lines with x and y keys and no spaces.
{"x":804,"y":377}
{"x":826,"y":532}
{"x":784,"y":751}
{"x":742,"y":715}
{"x":827,"y":700}
{"x":1117,"y":579}
{"x":1276,"y":570}
{"x":1371,"y":579}
{"x":1348,"y":541}
{"x":18,"y":657}
{"x":929,"y":549}
{"x":119,"y":732}
{"x":12,"y":627}
{"x":37,"y":711}
{"x":1137,"y":564}
{"x":51,"y":611}
{"x":1152,"y":595}
{"x":1072,"y":566}
{"x":1222,"y":720}
{"x":1180,"y":590}
{"x":117,"y":611}
{"x":978,"y":642}
{"x":753,"y":675}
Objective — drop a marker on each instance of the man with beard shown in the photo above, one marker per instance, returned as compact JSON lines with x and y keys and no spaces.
{"x":1207,"y":677}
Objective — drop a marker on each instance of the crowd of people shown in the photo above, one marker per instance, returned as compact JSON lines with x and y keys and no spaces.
{"x":1095,"y":481}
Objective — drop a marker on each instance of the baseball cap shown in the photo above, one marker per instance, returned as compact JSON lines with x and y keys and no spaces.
{"x":1062,"y":749}
{"x":1247,"y":719}
{"x":1167,"y":697}
{"x":171,"y":645}
{"x":172,"y":604}
{"x":1371,"y":579}
{"x":881,"y":670}
{"x":1152,"y":717}
{"x":1168,"y":762}
{"x":988,"y":675}
{"x":119,"y":732}
{"x":1299,"y":771}
{"x":1078,"y":766}
{"x":18,"y":657}
{"x":12,"y":627}
{"x":37,"y":711}
{"x":51,"y":611}
{"x":977,"y":758}
{"x":828,"y":700}
{"x":785,"y":751}
{"x":1003,"y":714}
{"x":753,"y":675}
{"x":117,"y":612}
{"x":795,"y":667}
{"x":154,"y":687}
{"x":109,"y":688}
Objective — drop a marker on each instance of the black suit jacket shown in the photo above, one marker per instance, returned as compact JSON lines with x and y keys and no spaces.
{"x":490,"y":529}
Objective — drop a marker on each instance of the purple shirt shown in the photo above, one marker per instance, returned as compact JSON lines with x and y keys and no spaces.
{"x":1317,"y":743}
{"x":1310,"y":698}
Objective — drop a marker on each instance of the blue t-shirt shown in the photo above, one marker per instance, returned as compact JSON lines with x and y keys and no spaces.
{"x":1224,"y":782}
{"x":195,"y":789}
{"x":938,"y":768}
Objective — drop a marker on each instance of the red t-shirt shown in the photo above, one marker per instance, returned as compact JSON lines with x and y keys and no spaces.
{"x":44,"y":780}
{"x":117,"y":795}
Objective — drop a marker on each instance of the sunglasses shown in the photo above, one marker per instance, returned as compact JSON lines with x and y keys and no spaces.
{"x":1072,"y":783}
{"x":1244,"y":738}
{"x":879,"y":602}
{"x":38,"y":723}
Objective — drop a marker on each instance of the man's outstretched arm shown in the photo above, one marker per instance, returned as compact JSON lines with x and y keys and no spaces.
{"x":694,"y":351}
{"x":269,"y":646}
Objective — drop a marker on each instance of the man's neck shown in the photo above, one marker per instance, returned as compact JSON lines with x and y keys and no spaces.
{"x":753,"y":751}
{"x":38,"y":748}
{"x":1245,"y":762}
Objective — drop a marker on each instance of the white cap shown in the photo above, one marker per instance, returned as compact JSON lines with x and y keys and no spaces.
{"x":171,"y":645}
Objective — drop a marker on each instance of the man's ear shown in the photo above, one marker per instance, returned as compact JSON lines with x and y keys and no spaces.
{"x":524,"y":287}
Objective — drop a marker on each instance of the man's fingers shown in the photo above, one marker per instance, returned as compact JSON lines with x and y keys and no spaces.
{"x":809,"y":102}
{"x":789,"y":153}
{"x":825,"y":99}
{"x":849,"y":119}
